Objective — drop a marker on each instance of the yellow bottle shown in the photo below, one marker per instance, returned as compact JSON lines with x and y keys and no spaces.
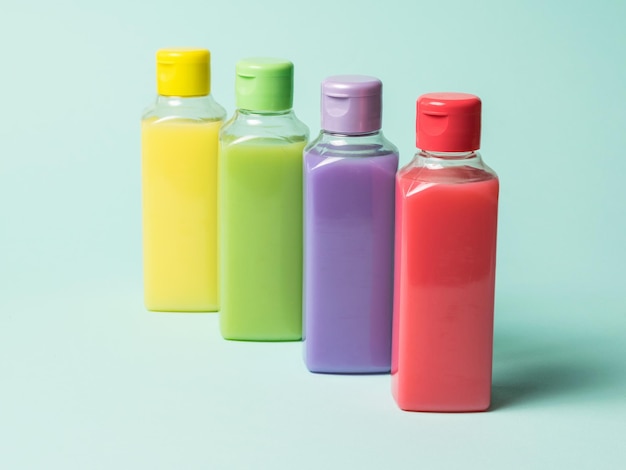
{"x":179,"y":144}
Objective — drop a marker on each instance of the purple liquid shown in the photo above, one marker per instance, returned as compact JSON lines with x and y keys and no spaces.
{"x":348,"y":262}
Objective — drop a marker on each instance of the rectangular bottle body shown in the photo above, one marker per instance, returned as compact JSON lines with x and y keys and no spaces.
{"x":348,"y":263}
{"x":444,"y":293}
{"x":261,"y":239}
{"x":179,"y":188}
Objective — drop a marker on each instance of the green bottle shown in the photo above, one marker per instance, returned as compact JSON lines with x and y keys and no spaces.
{"x":261,"y":206}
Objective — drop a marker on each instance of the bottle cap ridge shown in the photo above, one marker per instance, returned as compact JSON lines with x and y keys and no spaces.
{"x":351,"y":104}
{"x":264,"y":84}
{"x":183,"y":72}
{"x":448,"y":122}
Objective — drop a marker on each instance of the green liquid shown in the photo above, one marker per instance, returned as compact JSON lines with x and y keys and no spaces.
{"x":261,"y":241}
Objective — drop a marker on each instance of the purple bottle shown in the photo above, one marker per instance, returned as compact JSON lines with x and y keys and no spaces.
{"x":349,"y":190}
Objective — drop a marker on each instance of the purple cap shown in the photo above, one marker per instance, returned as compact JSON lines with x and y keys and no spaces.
{"x":351,"y":104}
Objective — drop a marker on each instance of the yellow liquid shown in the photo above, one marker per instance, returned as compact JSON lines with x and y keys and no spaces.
{"x":179,"y":186}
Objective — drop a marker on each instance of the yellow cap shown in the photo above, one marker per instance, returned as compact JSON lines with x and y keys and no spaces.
{"x":183,"y":72}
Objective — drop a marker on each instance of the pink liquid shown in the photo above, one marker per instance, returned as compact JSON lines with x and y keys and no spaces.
{"x":444,"y":289}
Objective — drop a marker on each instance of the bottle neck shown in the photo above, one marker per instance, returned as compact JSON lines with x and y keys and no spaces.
{"x":350,"y":135}
{"x":181,"y":100}
{"x":186,"y":107}
{"x":276,"y":125}
{"x":250,"y":112}
{"x":441,"y":160}
{"x":339,"y":139}
{"x":371,"y":144}
{"x":454,"y":156}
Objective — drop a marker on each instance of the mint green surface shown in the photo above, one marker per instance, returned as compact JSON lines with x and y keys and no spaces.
{"x":90,"y":380}
{"x":264,"y":84}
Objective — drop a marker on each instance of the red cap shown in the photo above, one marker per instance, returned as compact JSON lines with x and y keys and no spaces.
{"x":448,"y":122}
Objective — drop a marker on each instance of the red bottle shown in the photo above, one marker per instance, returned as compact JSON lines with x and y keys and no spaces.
{"x":445,"y":259}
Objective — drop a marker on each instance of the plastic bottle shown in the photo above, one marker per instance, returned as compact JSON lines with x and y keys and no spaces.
{"x":179,"y":140}
{"x":349,"y":221}
{"x":261,"y":206}
{"x":446,"y":217}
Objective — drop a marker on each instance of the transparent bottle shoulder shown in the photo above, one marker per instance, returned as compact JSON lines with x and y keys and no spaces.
{"x":202,"y":108}
{"x":448,"y":167}
{"x":244,"y":127}
{"x":359,"y":145}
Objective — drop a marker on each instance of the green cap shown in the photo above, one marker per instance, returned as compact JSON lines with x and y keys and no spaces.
{"x":264,"y":84}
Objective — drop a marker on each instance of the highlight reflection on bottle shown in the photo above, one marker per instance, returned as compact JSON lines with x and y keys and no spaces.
{"x":179,"y":137}
{"x":445,"y":254}
{"x":261,"y":206}
{"x":349,"y":215}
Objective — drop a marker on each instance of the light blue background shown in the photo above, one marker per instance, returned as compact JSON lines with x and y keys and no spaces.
{"x":90,"y":380}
